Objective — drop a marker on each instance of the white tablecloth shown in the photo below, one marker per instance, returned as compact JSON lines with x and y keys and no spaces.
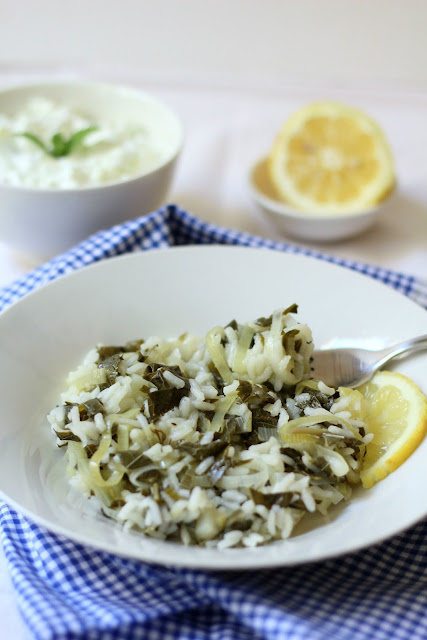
{"x":227,"y":128}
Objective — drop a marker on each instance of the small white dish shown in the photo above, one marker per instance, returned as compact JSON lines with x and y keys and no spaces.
{"x":167,"y":292}
{"x":306,"y":226}
{"x":45,"y":221}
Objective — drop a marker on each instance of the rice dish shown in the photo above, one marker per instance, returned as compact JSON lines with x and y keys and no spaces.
{"x":223,"y":440}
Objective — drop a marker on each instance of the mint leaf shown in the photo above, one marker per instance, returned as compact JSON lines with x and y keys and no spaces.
{"x":60,"y":146}
{"x":77,"y":138}
{"x":35,"y":139}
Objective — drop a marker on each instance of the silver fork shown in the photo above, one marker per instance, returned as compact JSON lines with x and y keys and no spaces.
{"x":350,"y":367}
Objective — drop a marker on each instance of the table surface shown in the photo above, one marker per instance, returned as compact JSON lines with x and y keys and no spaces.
{"x":227,"y":128}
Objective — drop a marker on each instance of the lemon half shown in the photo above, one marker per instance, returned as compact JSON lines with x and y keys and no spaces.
{"x":396,"y":413}
{"x":331,"y":158}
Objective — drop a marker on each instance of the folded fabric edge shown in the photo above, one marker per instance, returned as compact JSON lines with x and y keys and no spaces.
{"x":173,"y":226}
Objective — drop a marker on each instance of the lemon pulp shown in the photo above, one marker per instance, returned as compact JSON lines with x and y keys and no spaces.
{"x":330,"y":158}
{"x":396,"y":414}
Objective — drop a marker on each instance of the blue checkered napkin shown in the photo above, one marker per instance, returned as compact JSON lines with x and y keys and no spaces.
{"x":172,"y":226}
{"x":67,"y":591}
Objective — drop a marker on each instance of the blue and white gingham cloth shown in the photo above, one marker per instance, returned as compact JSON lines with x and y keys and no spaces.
{"x":67,"y":591}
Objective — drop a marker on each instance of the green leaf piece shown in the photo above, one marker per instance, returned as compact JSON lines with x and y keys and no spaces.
{"x":35,"y":139}
{"x":77,"y":138}
{"x":61,"y":147}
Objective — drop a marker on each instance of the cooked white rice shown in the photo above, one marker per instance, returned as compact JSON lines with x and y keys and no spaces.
{"x":219,"y":441}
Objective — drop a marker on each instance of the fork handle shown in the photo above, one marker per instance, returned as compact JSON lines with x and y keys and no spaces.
{"x":403,"y":348}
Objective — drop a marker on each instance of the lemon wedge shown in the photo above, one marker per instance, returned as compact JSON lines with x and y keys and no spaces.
{"x":396,"y":413}
{"x":331,"y":158}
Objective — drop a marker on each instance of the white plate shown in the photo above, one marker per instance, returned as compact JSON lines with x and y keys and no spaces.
{"x":166,"y":292}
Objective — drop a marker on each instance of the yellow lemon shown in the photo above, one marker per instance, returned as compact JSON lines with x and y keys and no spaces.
{"x":331,"y":158}
{"x":396,"y":413}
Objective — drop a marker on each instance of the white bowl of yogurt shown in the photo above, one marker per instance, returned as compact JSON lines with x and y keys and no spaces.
{"x":113,"y":160}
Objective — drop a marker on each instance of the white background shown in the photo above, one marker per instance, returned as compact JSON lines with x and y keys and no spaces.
{"x":373,"y":41}
{"x":234,"y":69}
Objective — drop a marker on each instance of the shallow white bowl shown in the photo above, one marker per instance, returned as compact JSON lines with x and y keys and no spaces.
{"x":165,"y":293}
{"x":44,"y":222}
{"x":306,"y":226}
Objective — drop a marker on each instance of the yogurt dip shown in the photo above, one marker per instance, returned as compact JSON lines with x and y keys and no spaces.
{"x":114,"y":152}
